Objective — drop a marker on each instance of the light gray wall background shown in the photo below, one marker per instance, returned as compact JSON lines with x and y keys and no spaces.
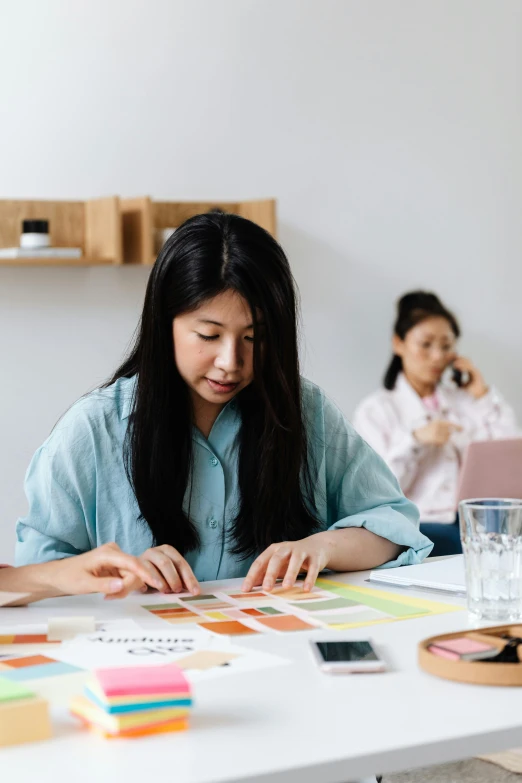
{"x":390,"y":132}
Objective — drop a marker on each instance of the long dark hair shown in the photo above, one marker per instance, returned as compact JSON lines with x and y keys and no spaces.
{"x":207,"y":255}
{"x":412,"y":308}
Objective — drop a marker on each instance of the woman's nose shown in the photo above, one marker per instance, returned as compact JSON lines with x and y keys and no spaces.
{"x":229,"y":357}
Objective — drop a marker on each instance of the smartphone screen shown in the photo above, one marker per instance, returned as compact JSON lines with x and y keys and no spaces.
{"x":342,"y":652}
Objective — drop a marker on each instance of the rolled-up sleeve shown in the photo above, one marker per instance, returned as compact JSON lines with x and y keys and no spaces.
{"x":361,"y":491}
{"x":55,"y":525}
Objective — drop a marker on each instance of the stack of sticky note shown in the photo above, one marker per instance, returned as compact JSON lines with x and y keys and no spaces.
{"x":24,"y":717}
{"x":135,"y":700}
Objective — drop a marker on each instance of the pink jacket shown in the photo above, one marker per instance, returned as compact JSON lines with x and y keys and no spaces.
{"x":428,"y":475}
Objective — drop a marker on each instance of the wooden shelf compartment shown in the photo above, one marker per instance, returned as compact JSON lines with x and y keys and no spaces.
{"x":142,"y":218}
{"x":93,"y":225}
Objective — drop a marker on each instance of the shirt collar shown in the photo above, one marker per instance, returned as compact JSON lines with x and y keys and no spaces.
{"x":415,"y":409}
{"x":128,"y":389}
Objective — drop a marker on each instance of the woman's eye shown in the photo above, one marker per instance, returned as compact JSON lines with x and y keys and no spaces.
{"x":208,"y":336}
{"x":249,"y":339}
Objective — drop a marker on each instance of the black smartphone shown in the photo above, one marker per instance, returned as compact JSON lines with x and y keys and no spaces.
{"x":457,"y":377}
{"x":340,"y":657}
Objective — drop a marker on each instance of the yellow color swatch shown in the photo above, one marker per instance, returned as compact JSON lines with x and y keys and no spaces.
{"x":217,"y":616}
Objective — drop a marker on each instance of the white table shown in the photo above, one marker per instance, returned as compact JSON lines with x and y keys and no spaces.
{"x":290,"y":723}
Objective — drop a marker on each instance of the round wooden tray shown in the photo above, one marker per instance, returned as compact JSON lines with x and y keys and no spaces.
{"x":474,"y":672}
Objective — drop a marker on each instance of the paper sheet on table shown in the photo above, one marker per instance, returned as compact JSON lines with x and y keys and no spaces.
{"x":145,"y":648}
{"x":61,"y":628}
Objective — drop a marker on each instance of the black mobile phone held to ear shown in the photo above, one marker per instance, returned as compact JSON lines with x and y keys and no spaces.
{"x":457,"y":377}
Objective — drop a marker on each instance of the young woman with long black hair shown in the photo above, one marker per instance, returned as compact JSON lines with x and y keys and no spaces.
{"x":206,"y":454}
{"x":421,"y":422}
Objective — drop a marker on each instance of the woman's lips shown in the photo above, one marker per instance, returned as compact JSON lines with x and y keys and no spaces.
{"x":221,"y":388}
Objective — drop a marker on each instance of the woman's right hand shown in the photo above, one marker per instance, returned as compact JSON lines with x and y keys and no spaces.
{"x":166,"y":565}
{"x":436,"y":433}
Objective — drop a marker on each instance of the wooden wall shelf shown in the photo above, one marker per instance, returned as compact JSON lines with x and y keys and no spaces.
{"x":94,"y":226}
{"x":142,"y":218}
{"x":113,"y":230}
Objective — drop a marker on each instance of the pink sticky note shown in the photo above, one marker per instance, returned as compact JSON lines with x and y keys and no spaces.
{"x":443,"y":653}
{"x":464,"y":646}
{"x":140,"y":680}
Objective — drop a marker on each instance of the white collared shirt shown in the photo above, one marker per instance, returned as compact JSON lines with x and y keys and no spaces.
{"x":428,"y":475}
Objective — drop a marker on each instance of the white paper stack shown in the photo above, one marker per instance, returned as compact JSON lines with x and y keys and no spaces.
{"x":444,"y":576}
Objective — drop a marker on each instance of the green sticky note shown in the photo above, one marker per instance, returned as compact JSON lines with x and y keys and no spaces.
{"x":9,"y":691}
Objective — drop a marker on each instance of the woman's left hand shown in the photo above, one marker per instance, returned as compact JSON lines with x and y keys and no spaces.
{"x":476,"y":385}
{"x":287,"y":559}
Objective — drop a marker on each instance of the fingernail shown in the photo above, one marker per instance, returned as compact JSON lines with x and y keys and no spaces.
{"x":116,"y":585}
{"x":287,"y":584}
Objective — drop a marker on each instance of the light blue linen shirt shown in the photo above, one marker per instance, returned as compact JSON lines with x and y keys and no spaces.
{"x":80,"y":497}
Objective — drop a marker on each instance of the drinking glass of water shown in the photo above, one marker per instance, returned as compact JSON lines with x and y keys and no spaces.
{"x":491,"y":533}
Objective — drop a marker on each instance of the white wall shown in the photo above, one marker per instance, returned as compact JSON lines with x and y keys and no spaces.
{"x":389,"y":130}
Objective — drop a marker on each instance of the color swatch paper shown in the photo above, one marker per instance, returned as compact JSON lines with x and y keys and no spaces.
{"x":229,"y":627}
{"x":62,"y":628}
{"x":286,"y":622}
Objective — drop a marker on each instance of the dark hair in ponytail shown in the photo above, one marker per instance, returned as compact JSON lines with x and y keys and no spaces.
{"x":412,"y":309}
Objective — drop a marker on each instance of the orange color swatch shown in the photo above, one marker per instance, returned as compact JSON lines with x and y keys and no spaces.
{"x":229,"y":627}
{"x":285,"y":622}
{"x":175,"y":615}
{"x":169,"y":611}
{"x":188,"y":617}
{"x":247,"y":596}
{"x":29,"y":660}
{"x":295,"y":593}
{"x":253,"y":612}
{"x":26,"y":639}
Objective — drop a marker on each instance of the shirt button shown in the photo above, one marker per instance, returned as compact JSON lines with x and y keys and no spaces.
{"x":213,"y":461}
{"x":212,"y":523}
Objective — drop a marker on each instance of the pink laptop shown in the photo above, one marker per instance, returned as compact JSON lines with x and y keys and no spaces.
{"x":492,"y":469}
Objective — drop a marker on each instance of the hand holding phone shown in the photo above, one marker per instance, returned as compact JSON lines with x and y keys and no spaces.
{"x":467,"y":376}
{"x":347,"y":657}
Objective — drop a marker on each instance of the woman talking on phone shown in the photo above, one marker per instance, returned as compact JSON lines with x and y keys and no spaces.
{"x":423,"y":419}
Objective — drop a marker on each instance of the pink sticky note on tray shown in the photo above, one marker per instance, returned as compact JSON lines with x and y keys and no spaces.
{"x":463,"y":646}
{"x":141,"y":680}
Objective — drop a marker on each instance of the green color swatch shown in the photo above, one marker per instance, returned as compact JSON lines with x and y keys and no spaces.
{"x":269,"y":610}
{"x":366,"y":616}
{"x":154,"y":607}
{"x":9,"y":691}
{"x":202,"y":598}
{"x":395,"y":608}
{"x":319,"y":606}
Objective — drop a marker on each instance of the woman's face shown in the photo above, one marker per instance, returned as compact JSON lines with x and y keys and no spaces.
{"x":427,"y":350}
{"x":214,"y":349}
